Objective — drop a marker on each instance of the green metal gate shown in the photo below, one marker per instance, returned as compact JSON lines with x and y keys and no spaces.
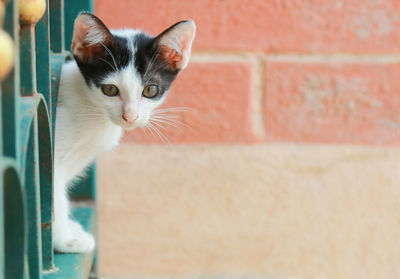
{"x":28,"y":106}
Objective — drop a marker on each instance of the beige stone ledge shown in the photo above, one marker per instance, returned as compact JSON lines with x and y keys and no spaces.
{"x":261,"y":211}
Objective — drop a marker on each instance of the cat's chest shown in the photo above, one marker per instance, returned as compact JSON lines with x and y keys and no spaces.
{"x":80,"y":141}
{"x":102,"y":137}
{"x":96,"y":137}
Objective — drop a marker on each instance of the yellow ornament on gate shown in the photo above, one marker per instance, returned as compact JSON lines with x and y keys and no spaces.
{"x":31,"y":11}
{"x":6,"y":54}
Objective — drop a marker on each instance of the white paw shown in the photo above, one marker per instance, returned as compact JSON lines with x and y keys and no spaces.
{"x":72,"y":239}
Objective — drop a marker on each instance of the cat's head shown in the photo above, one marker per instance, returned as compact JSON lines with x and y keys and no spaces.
{"x":129,"y":72}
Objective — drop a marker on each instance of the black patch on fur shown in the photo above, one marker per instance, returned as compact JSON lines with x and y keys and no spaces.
{"x":152,"y":69}
{"x":95,"y":71}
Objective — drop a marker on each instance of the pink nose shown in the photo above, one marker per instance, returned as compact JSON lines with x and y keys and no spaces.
{"x":129,"y":119}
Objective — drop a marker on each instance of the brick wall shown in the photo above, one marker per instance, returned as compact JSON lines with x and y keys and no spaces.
{"x":243,"y":201}
{"x":286,"y":71}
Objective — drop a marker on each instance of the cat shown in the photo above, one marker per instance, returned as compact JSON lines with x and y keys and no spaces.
{"x":114,"y":83}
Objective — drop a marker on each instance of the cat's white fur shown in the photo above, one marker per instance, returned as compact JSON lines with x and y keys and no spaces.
{"x":82,"y":132}
{"x":87,"y":124}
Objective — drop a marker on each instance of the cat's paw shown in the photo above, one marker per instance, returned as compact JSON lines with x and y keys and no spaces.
{"x":73,"y":240}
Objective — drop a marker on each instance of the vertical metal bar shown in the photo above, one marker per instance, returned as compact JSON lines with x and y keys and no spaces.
{"x":14,"y":204}
{"x":45,"y":137}
{"x":29,"y":131}
{"x":57,"y":61}
{"x":71,"y":9}
{"x":1,"y":125}
{"x":11,"y":89}
{"x":14,"y":225}
{"x":2,"y":224}
{"x":46,"y":185}
{"x":32,"y":188}
{"x":28,"y":60}
{"x":57,"y":26}
{"x":43,"y":57}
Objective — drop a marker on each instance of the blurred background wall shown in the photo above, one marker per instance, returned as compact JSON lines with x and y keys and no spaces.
{"x":287,"y":162}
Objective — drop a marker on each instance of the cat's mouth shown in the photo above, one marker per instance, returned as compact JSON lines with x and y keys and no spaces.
{"x":124,"y":124}
{"x":128,"y":126}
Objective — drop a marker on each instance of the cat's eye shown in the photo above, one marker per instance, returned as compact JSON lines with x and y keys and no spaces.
{"x":150,"y":91}
{"x":110,"y":90}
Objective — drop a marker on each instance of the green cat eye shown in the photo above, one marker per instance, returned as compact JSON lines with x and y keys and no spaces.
{"x":110,"y":90}
{"x":150,"y":91}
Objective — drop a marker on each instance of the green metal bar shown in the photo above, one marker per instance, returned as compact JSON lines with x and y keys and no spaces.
{"x":28,"y":101}
{"x":57,"y":26}
{"x":1,"y":130}
{"x":14,"y":222}
{"x":33,"y":199}
{"x":27,"y":60}
{"x":45,"y":138}
{"x":30,"y":168}
{"x":43,"y":57}
{"x":2,"y":248}
{"x":2,"y":261}
{"x":13,"y":202}
{"x":46,"y":184}
{"x":11,"y":89}
{"x":57,"y":61}
{"x":71,"y":9}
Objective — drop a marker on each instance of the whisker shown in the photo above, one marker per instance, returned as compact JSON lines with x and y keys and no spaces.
{"x":170,"y":113}
{"x":151,"y":127}
{"x":168,"y":123}
{"x":109,"y":52}
{"x":112,"y":67}
{"x":169,"y":117}
{"x":150,"y":130}
{"x":144,"y":129}
{"x":158,"y":124}
{"x":174,"y":109}
{"x":159,"y":133}
{"x":174,"y":121}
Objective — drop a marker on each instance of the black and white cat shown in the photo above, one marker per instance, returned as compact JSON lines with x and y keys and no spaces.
{"x":117,"y":80}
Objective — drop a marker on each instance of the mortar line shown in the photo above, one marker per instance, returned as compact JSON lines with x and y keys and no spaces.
{"x":257,"y":91}
{"x":298,"y":58}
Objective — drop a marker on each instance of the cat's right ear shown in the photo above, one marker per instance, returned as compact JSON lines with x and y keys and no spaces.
{"x":175,"y":44}
{"x":91,"y":38}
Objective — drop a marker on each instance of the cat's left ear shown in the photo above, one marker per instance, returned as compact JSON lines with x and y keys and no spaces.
{"x":175,"y":44}
{"x":91,"y":38}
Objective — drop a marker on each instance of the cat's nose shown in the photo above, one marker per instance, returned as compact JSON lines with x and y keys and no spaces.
{"x":129,"y":118}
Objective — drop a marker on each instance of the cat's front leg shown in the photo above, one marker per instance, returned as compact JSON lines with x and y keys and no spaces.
{"x":68,"y":235}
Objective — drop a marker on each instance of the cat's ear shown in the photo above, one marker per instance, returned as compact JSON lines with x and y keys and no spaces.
{"x":90,"y":38}
{"x":175,"y":44}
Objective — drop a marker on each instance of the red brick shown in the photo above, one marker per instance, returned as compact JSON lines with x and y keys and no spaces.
{"x":272,"y":26}
{"x":333,"y":103}
{"x":218,"y":97}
